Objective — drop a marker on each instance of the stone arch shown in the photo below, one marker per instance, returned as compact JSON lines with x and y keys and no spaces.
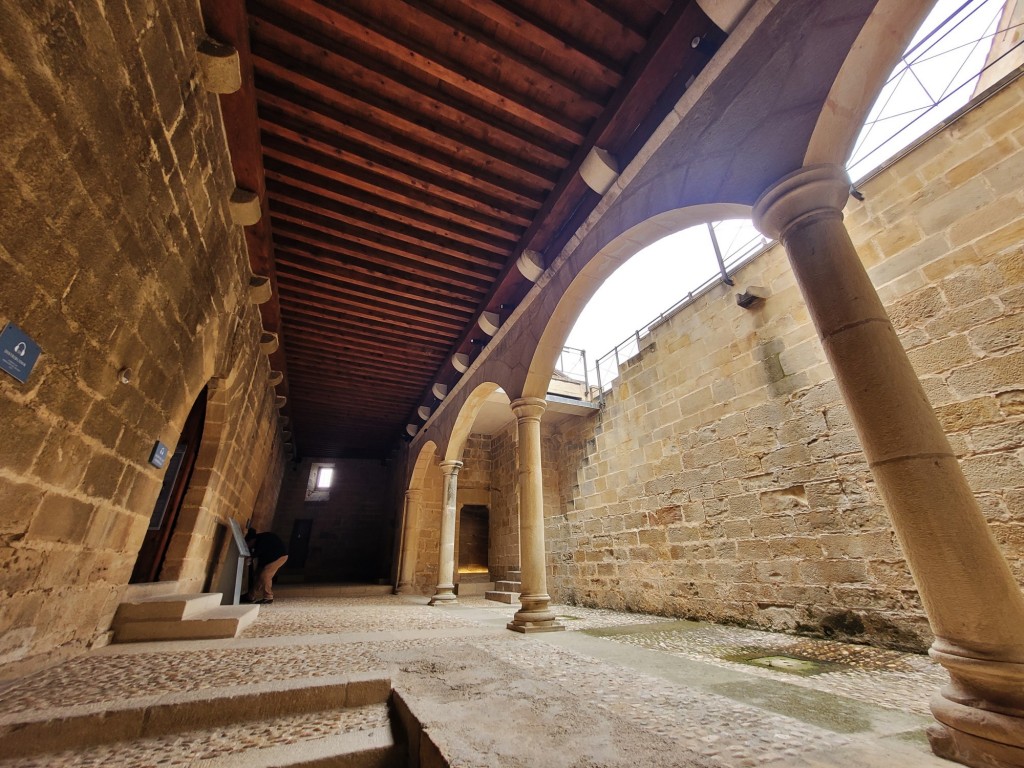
{"x":195,"y":524}
{"x":464,"y":421}
{"x":424,"y":460}
{"x":608,"y":258}
{"x":879,"y":46}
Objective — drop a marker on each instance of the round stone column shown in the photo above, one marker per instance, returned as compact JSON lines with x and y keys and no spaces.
{"x":445,"y":591}
{"x":534,"y":614}
{"x":410,"y":542}
{"x":974,"y":605}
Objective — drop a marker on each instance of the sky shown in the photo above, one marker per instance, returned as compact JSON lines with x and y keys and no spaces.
{"x":662,"y":274}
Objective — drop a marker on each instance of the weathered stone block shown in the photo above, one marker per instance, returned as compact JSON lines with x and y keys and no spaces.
{"x":61,"y":518}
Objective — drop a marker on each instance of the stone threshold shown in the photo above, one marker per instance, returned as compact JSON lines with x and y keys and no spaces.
{"x":52,"y":730}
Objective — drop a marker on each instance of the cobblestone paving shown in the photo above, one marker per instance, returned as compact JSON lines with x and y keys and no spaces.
{"x":337,"y":615}
{"x":97,"y":679}
{"x":180,"y":750}
{"x":712,"y":726}
{"x":574,"y":617}
{"x":901,"y":681}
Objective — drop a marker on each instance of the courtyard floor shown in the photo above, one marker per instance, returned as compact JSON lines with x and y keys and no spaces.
{"x":615,"y":689}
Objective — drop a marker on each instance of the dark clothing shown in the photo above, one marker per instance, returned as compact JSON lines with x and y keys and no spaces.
{"x":267,"y":548}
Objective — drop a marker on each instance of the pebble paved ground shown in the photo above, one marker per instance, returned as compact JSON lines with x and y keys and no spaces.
{"x":614,"y":689}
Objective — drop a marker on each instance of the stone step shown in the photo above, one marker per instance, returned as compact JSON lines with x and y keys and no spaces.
{"x":133,"y":593}
{"x":466,"y":578}
{"x":24,"y":734}
{"x":508,"y":586}
{"x":165,"y":607}
{"x":374,"y":748}
{"x":503,"y":597}
{"x":225,"y":621}
{"x":474,"y":588}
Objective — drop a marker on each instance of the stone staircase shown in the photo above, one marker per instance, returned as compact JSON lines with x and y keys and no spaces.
{"x":474,"y":584}
{"x":339,"y":720}
{"x":507,"y":590}
{"x":143,"y":617}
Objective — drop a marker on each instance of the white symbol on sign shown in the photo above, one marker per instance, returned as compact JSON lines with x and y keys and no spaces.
{"x":19,"y":349}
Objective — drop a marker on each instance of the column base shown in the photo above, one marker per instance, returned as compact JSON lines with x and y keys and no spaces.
{"x":980,"y":713}
{"x":446,"y":597}
{"x":534,"y":616}
{"x":971,"y":750}
{"x":404,"y":589}
{"x":529,"y":627}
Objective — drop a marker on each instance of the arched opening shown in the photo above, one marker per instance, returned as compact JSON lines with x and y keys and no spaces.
{"x":181,"y":464}
{"x":421,"y":521}
{"x":486,"y":513}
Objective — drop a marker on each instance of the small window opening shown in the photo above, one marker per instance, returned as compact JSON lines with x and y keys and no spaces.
{"x":323,"y":478}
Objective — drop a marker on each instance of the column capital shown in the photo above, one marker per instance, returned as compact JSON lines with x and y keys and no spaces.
{"x":802,"y":196}
{"x":529,"y":408}
{"x":413,"y":493}
{"x":450,"y":467}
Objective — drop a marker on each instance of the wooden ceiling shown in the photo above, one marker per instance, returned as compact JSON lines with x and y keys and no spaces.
{"x":407,"y":152}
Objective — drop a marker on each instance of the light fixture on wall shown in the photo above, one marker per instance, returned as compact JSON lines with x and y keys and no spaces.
{"x":752,"y":296}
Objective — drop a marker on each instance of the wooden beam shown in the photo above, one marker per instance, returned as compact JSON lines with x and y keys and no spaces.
{"x":376,"y":208}
{"x":440,"y":260}
{"x":340,"y":273}
{"x":363,"y":178}
{"x":347,"y":125}
{"x":438,"y":125}
{"x":328,"y":22}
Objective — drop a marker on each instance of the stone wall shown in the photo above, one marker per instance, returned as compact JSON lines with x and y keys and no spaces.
{"x":503,"y":542}
{"x":722,"y":480}
{"x":116,"y":251}
{"x":428,"y":543}
{"x":352,"y":529}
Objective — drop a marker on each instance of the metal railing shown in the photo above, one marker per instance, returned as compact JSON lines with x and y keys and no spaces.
{"x":965,"y":60}
{"x":606,"y":367}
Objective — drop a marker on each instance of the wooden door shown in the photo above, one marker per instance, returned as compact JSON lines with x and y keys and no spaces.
{"x":172,"y":493}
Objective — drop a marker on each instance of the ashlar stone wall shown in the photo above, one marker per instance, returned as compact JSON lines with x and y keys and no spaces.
{"x":503,"y":544}
{"x":428,"y":543}
{"x":116,"y":251}
{"x":722,"y":479}
{"x":352,"y":529}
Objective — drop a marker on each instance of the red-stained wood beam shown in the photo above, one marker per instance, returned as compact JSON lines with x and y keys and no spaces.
{"x":355,"y":181}
{"x":226,"y":21}
{"x":325,"y":230}
{"x":437,"y":124}
{"x":285,"y":136}
{"x":510,"y":15}
{"x":378,"y":208}
{"x":338,"y":273}
{"x":375,"y":337}
{"x":411,"y":330}
{"x":294,"y":252}
{"x":350,"y":125}
{"x":373,"y":313}
{"x":373,"y":340}
{"x":345,"y":295}
{"x":342,"y":20}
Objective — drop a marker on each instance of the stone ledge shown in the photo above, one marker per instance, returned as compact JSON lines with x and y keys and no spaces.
{"x":30,"y":733}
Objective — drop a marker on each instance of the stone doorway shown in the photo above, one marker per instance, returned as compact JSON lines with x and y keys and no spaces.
{"x":172,"y":493}
{"x":474,"y":522}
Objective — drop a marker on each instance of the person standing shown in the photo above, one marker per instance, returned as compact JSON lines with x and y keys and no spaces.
{"x":269,"y":554}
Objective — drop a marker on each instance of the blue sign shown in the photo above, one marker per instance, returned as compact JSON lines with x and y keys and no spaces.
{"x":18,"y":353}
{"x":159,"y":455}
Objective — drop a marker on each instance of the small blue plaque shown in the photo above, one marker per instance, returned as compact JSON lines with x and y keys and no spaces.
{"x":18,"y":353}
{"x":159,"y":455}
